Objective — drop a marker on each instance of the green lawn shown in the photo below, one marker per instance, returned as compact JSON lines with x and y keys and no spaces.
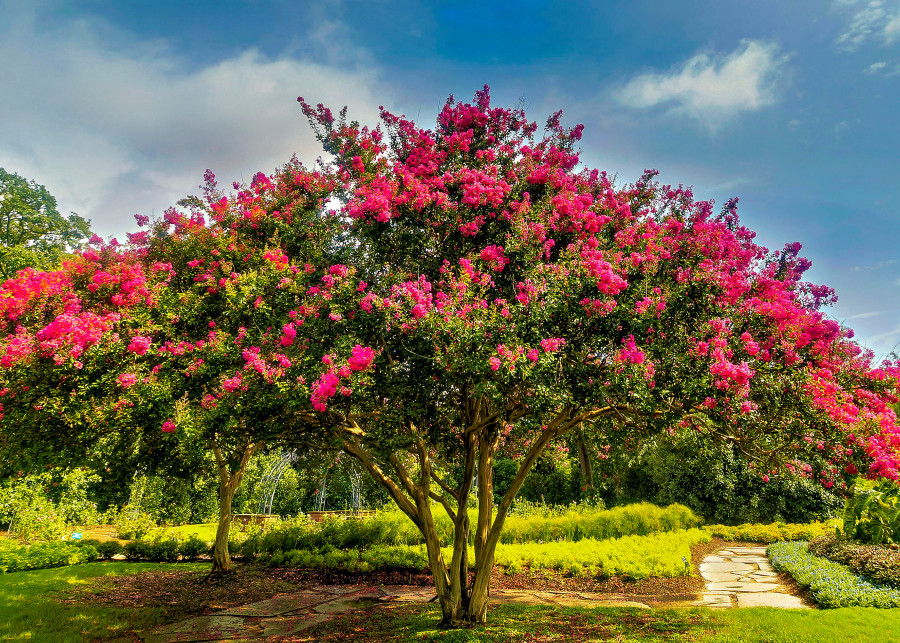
{"x":31,"y":607}
{"x":400,"y":623}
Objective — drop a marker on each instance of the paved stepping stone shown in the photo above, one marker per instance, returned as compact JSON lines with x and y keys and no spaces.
{"x":771,"y":599}
{"x":726,"y":567}
{"x":743,"y":575}
{"x":279,"y":605}
{"x":214,"y":627}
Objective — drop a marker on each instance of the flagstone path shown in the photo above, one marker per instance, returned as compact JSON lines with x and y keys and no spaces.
{"x":290,"y":614}
{"x":743,"y":577}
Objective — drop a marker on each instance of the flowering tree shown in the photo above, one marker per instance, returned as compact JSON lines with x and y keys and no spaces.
{"x":477,"y":292}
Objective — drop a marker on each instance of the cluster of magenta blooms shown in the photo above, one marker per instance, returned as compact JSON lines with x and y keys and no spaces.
{"x":505,"y":201}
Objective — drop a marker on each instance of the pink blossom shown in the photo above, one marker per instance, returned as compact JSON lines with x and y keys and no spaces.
{"x":169,"y":426}
{"x":126,"y":380}
{"x":361,"y":358}
{"x":139,"y":345}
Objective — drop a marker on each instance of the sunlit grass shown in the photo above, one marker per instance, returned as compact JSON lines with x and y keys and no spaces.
{"x":31,"y":607}
{"x":404,"y":623}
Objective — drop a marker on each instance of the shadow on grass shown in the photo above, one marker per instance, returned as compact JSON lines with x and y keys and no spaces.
{"x":38,"y":605}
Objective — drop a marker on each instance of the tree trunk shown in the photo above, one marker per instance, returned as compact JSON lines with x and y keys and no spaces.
{"x":461,"y":604}
{"x":228,"y":484}
{"x":221,"y":557}
{"x":584,"y":460}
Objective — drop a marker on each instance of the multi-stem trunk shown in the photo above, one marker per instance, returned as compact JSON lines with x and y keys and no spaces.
{"x":229,"y":481}
{"x":462,"y":603}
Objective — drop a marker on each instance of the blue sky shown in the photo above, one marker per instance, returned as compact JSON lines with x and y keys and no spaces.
{"x":119,"y":107}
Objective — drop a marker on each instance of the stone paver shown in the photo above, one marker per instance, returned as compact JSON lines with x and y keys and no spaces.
{"x":742,"y":576}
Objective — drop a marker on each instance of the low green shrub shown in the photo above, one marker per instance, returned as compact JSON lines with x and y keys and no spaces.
{"x":45,"y":555}
{"x":831,"y":584}
{"x":878,"y":563}
{"x":133,"y":523}
{"x":157,"y":551}
{"x":531,"y":524}
{"x":193,"y":548}
{"x":598,"y":523}
{"x":775,"y":532}
{"x":658,"y":554}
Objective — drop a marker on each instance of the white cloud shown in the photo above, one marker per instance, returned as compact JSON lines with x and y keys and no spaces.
{"x":873,"y":20}
{"x":711,"y":88}
{"x":112,"y":133}
{"x":864,"y":315}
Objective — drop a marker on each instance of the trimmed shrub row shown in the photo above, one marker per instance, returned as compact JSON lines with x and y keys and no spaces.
{"x":775,"y":532}
{"x":878,"y":563}
{"x":45,"y":555}
{"x":831,"y":584}
{"x":391,"y":528}
{"x":636,"y":557}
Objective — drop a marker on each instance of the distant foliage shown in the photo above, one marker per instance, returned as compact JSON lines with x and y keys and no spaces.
{"x":718,"y":483}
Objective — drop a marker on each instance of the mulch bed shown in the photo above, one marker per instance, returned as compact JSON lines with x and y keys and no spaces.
{"x":184,"y":594}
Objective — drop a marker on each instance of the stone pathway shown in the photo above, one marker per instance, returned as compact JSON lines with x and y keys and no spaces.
{"x":743,"y":577}
{"x":289,"y":614}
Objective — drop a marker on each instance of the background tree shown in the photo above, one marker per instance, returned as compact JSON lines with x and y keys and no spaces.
{"x":32,"y":231}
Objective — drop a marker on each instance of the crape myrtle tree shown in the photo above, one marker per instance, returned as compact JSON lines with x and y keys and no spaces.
{"x":512,"y":297}
{"x":170,"y":344}
{"x":476,"y":292}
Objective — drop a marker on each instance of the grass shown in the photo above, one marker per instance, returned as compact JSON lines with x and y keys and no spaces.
{"x":32,"y":606}
{"x":416,"y":624}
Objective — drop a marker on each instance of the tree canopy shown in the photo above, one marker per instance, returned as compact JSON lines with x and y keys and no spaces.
{"x":32,"y":231}
{"x":431,"y":298}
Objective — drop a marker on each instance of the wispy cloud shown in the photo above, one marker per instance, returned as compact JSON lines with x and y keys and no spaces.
{"x":112,"y":132}
{"x":711,"y":88}
{"x":877,"y":20}
{"x":865,"y":315}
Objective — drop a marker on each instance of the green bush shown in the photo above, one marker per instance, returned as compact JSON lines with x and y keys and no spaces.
{"x":585,"y":522}
{"x":660,"y":554}
{"x":657,"y":554}
{"x":193,"y":548}
{"x":529,"y":523}
{"x":878,"y":563}
{"x":775,"y":532}
{"x":133,"y":523}
{"x":831,"y":584}
{"x":107,"y":549}
{"x":45,"y":555}
{"x":872,"y":515}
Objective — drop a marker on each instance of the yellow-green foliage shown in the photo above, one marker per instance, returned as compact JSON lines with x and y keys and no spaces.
{"x":658,"y":554}
{"x":637,"y":557}
{"x":575,"y":524}
{"x":775,"y":532}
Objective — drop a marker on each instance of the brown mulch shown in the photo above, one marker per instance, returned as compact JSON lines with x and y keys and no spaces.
{"x":184,"y":594}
